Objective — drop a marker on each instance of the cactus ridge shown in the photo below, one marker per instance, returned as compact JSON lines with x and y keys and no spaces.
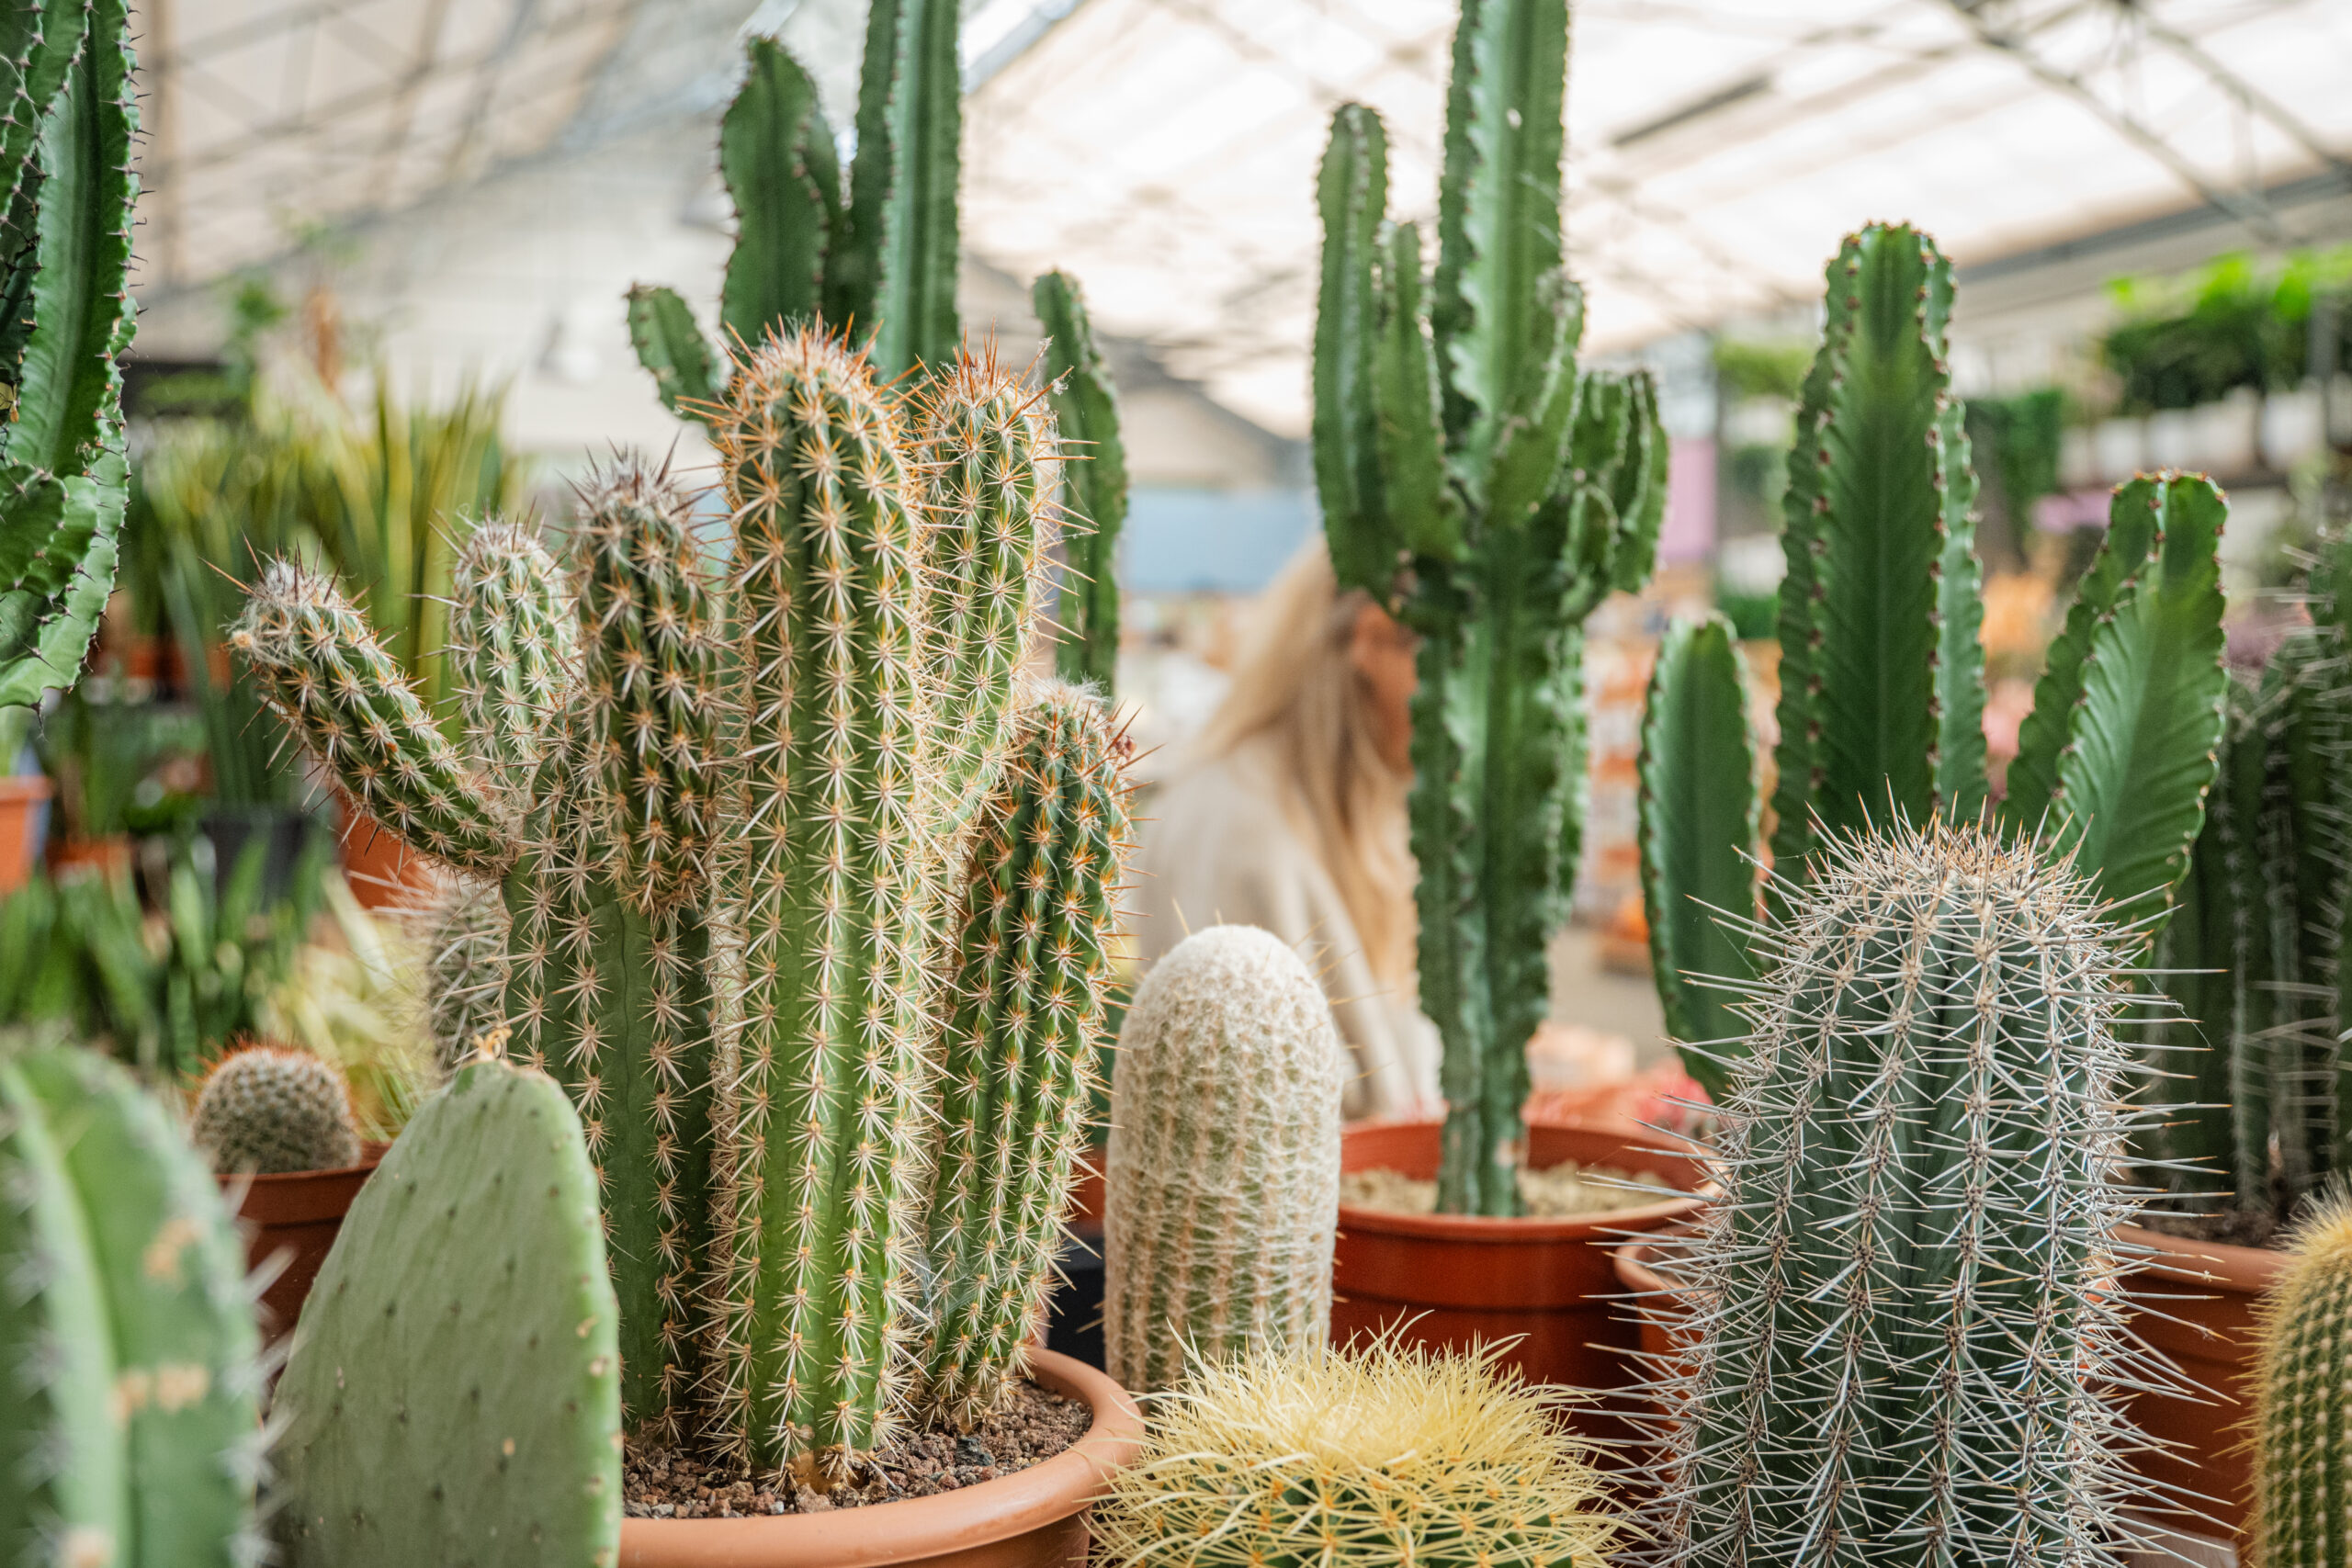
{"x":2302,"y":1419}
{"x":1027,"y":1005}
{"x":513,"y":644}
{"x":825,"y":1161}
{"x":462,"y":934}
{"x":1222,"y":1194}
{"x":268,"y":1110}
{"x":1908,"y":1324}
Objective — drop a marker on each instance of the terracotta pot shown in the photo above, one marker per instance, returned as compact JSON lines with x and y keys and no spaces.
{"x":299,"y":1215}
{"x":108,"y":856}
{"x":1033,"y":1518}
{"x":1455,"y":1280}
{"x":22,"y":800}
{"x":1658,"y":1305}
{"x":1085,"y":1211}
{"x":2197,"y":1301}
{"x":381,"y":870}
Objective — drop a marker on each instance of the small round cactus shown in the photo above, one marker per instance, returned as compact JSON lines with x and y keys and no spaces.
{"x":266,"y":1110}
{"x":2303,"y":1422}
{"x":1223,"y":1193}
{"x":1384,"y":1455}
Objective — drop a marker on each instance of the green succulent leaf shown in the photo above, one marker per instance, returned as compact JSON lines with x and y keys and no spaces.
{"x":668,"y":343}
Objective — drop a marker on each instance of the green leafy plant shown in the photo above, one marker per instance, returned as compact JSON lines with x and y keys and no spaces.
{"x":1881,"y":704}
{"x":2232,"y":323}
{"x":65,"y":320}
{"x":129,"y":1362}
{"x":1907,"y":1333}
{"x":828,"y":740}
{"x":1476,"y":481}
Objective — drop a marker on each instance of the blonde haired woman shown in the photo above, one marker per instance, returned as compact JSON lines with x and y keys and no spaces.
{"x":1289,"y":814}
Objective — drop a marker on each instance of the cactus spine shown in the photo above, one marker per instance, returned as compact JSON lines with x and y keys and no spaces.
{"x":268,"y":1110}
{"x":65,"y":151}
{"x":1384,"y":1455}
{"x":128,"y":1356}
{"x":452,"y":1394}
{"x":1222,"y":1189}
{"x":2302,"y":1422}
{"x":1909,"y":1329}
{"x":1882,"y":671}
{"x":1473,"y":478}
{"x":1024,"y":1023}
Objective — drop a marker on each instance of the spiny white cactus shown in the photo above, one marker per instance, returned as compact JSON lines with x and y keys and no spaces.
{"x":1224,"y":1175}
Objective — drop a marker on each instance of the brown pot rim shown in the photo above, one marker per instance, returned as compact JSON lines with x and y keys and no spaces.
{"x":1501,"y":1231}
{"x":371,"y":1155}
{"x":2239,"y":1270}
{"x":27,"y":787}
{"x":919,"y":1528}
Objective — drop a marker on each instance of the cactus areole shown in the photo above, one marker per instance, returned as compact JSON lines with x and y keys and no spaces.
{"x":1476,"y":481}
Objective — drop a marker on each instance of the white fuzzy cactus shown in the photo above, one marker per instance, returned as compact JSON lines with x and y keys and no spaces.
{"x":1224,"y":1179}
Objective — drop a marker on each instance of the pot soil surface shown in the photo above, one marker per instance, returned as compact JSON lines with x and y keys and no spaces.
{"x":1034,"y":1425}
{"x":1563,"y":1192}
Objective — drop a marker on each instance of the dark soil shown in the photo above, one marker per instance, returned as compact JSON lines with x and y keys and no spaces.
{"x":1034,"y":1425}
{"x":2237,"y":1228}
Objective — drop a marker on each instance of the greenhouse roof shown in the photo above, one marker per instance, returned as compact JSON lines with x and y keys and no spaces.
{"x":1164,"y":150}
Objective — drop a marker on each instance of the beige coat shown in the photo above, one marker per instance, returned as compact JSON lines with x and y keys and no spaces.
{"x":1219,"y":849}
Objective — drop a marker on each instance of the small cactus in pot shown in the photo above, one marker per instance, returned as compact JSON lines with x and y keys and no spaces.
{"x":267,"y":1109}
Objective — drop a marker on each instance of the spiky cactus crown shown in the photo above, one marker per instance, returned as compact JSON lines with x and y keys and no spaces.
{"x":1025,"y":1017}
{"x":1385,"y":1458}
{"x":1223,"y":1166}
{"x":1910,"y":1330}
{"x":2302,"y":1419}
{"x":513,"y":650}
{"x":267,"y":1109}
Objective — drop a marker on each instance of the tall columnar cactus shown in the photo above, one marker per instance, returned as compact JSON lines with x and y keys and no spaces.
{"x":2302,"y":1422}
{"x":266,"y":1110}
{"x":1472,"y":477}
{"x":763,"y":1106}
{"x":1024,"y":1022}
{"x":1881,"y":668}
{"x":1909,"y":1334}
{"x":453,"y":1394}
{"x":1088,"y":412}
{"x":1222,"y":1192}
{"x":128,"y":1358}
{"x":65,"y":320}
{"x":879,"y":258}
{"x":599,"y":849}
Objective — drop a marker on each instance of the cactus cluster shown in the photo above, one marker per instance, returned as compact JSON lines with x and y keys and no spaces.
{"x":266,"y":1110}
{"x":479,"y":1226}
{"x":129,"y":1362}
{"x":1908,"y":1335}
{"x":1882,"y":701}
{"x":1383,"y":1455}
{"x":1223,"y":1186}
{"x":2303,"y":1421}
{"x":66,"y":193}
{"x":1476,"y":481}
{"x":773,"y":796}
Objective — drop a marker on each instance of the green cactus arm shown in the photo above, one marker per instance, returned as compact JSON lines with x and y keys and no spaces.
{"x":1882,"y":534}
{"x":512,"y":642}
{"x":822,"y":1153}
{"x":899,"y":252}
{"x":1033,"y":965}
{"x":1698,"y":823}
{"x":685,"y":367}
{"x":1638,"y":493}
{"x":1417,"y":487}
{"x":38,"y":45}
{"x":2132,"y":537}
{"x":186,"y":1354}
{"x":1094,"y":483}
{"x":2255,"y":1053}
{"x":320,"y":665}
{"x":452,"y":1392}
{"x":2139,"y":758}
{"x":1531,"y":447}
{"x":61,"y":468}
{"x":1576,"y":763}
{"x":650,"y":681}
{"x":1961,"y":788}
{"x":2190,"y":1057}
{"x":1499,"y":211}
{"x":989,"y":464}
{"x":1442,"y":813}
{"x":70,"y":1469}
{"x":775,"y":151}
{"x":1351,"y":191}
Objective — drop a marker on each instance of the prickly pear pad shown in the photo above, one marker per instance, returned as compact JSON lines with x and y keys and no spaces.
{"x":454,"y":1392}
